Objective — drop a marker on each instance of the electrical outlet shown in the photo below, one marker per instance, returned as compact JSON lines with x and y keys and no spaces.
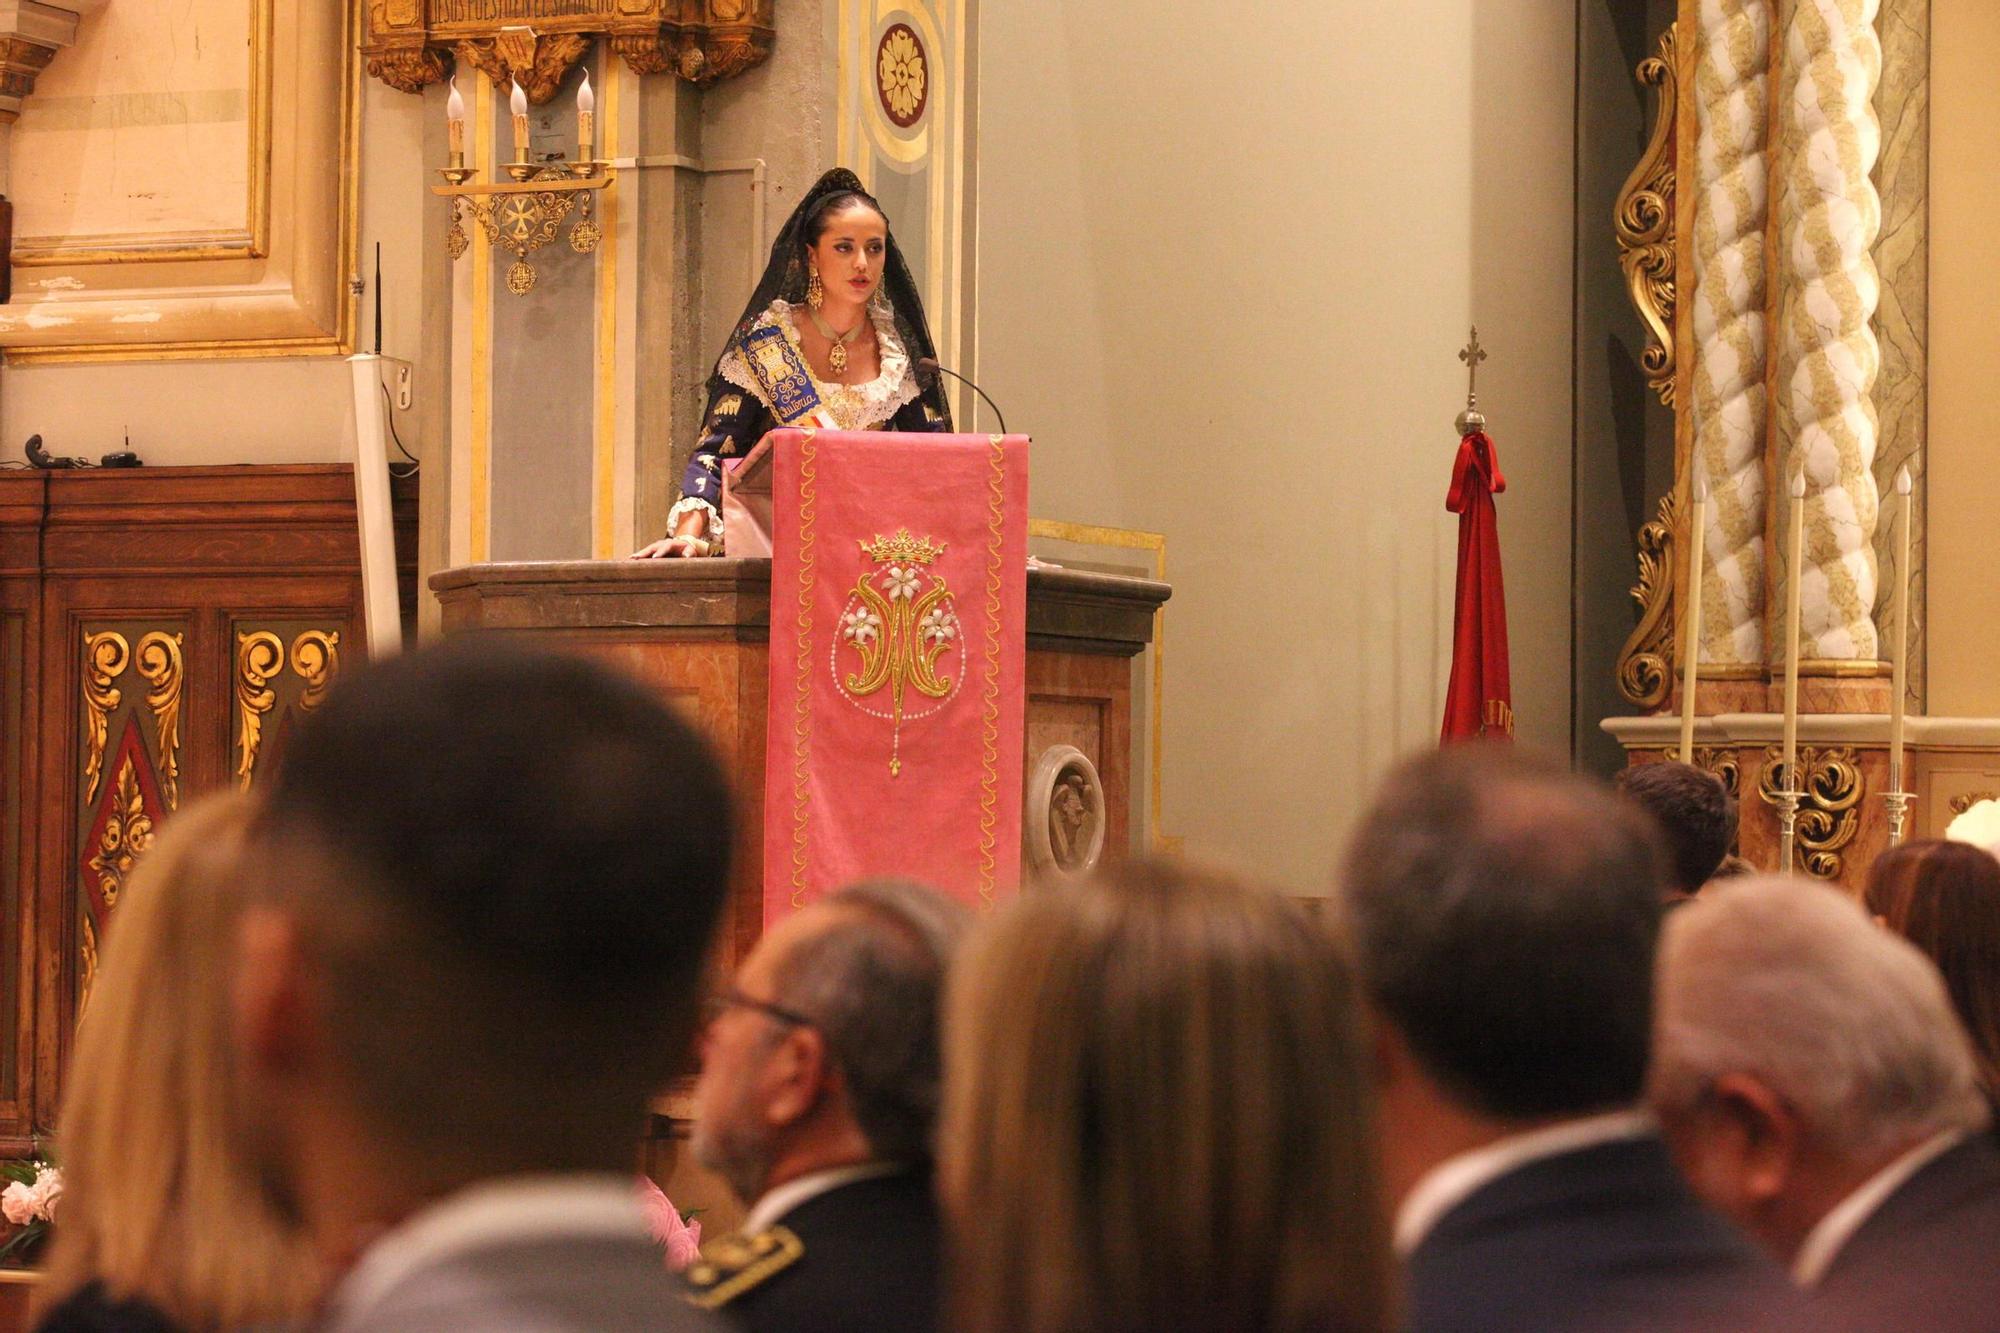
{"x":402,"y":388}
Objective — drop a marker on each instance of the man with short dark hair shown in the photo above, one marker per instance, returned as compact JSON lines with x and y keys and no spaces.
{"x":1503,"y":916}
{"x":489,"y":883}
{"x":1695,"y":813}
{"x":817,"y":1102}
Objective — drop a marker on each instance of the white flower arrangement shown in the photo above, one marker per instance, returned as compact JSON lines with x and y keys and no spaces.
{"x":29,"y":1203}
{"x":1979,"y":825}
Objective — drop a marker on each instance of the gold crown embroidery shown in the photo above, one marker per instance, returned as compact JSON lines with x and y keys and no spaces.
{"x":902,"y":549}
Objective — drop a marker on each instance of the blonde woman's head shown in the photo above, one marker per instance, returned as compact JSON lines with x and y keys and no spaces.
{"x":1156,"y":1116}
{"x":159,"y":1201}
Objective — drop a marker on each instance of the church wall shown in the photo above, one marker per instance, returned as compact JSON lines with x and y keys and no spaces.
{"x":1223,"y":269}
{"x":289,"y":410}
{"x":1964,"y":447}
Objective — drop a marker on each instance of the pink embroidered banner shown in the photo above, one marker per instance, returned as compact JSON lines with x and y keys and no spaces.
{"x":899,"y":603}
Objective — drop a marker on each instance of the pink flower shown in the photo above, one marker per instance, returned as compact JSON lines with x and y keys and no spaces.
{"x":17,"y":1203}
{"x":22,"y":1204}
{"x":682,"y":1240}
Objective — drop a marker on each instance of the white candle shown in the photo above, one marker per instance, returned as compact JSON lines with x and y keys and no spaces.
{"x":454,"y":123}
{"x":1691,"y":652}
{"x":586,"y":119}
{"x":1795,"y":570}
{"x":1900,"y":679}
{"x":517,"y":102}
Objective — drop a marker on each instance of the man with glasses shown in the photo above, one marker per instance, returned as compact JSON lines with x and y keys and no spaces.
{"x":817,"y":1104}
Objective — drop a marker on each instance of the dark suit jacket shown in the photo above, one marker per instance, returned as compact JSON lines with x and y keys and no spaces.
{"x":1603,"y":1238}
{"x":1929,"y":1257}
{"x":871,"y":1264}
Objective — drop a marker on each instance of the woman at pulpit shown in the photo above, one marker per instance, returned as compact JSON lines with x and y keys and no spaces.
{"x":832,"y":336}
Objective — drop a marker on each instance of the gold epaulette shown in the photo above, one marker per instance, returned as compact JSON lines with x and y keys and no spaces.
{"x":733,"y":1264}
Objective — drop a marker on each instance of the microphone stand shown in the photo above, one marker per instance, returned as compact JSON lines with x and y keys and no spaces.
{"x":930,"y":364}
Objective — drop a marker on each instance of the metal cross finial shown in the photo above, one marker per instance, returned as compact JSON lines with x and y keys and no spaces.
{"x":1472,"y":354}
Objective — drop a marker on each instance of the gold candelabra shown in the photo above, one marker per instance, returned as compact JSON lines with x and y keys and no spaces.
{"x":526,"y":211}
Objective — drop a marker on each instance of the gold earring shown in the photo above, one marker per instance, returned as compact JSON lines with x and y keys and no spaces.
{"x":815,"y":292}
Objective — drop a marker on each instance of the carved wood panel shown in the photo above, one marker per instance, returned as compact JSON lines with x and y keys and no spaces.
{"x":121,"y":601}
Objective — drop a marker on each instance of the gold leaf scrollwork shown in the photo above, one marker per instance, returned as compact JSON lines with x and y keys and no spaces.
{"x":315,"y":660}
{"x":127,"y":835}
{"x":1960,"y":804}
{"x":1645,"y":663}
{"x":1644,"y":223}
{"x":105,"y":655}
{"x":1723,"y":764}
{"x":1829,"y":814}
{"x":260,"y":655}
{"x":159,"y":658}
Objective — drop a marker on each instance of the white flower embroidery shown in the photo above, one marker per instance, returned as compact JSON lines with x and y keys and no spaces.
{"x":900,"y":582}
{"x":858,"y":627}
{"x":940,"y":625}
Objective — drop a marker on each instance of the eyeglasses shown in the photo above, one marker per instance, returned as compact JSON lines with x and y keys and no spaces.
{"x":717,"y":1005}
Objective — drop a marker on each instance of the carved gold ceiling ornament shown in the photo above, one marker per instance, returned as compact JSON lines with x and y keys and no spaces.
{"x":411,"y":43}
{"x":1644,"y":222}
{"x":1829,"y":815}
{"x":1645,"y":663}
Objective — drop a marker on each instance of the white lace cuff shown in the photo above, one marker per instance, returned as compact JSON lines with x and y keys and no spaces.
{"x":712,"y":521}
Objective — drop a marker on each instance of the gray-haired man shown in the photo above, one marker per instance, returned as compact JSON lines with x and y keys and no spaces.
{"x":1816,"y":1086}
{"x":817,"y":1103}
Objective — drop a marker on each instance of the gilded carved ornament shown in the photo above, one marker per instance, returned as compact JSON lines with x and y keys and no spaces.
{"x":1830,"y":815}
{"x":1645,"y":670}
{"x":260,"y":660}
{"x":105,"y":656}
{"x":411,"y":43}
{"x":1644,"y":223}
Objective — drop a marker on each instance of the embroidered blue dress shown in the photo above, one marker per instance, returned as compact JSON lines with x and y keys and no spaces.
{"x":740,"y":414}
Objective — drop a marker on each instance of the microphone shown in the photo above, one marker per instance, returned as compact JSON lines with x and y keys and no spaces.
{"x":929,"y":365}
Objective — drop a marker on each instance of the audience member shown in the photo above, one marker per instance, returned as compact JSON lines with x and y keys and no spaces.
{"x":1504,"y":915}
{"x":1816,"y":1088}
{"x":818,"y":1103}
{"x":1156,"y":1117}
{"x":1944,"y":897}
{"x":492,"y":882}
{"x":162,"y":1224}
{"x":1696,"y":816}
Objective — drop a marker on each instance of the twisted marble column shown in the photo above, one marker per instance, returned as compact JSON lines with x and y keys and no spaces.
{"x":1830,"y":215}
{"x":1731,"y":170}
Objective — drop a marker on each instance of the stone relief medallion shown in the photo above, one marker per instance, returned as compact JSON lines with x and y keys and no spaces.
{"x":1063,"y":825}
{"x":902,"y":75}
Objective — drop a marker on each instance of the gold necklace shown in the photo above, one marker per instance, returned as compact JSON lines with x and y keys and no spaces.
{"x":837,"y":354}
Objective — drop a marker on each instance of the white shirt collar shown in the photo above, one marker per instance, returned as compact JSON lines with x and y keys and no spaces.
{"x":539,"y":1207}
{"x":775,"y":1203}
{"x":1834,"y":1230}
{"x":1456,"y":1179}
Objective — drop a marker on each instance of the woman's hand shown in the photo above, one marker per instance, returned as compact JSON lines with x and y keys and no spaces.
{"x":668,"y":548}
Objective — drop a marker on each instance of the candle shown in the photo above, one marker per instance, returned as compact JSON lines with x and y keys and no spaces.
{"x":454,"y":124}
{"x":586,"y":119}
{"x":1796,"y":575}
{"x":1899,"y":683}
{"x":517,"y":102}
{"x":1691,"y":653}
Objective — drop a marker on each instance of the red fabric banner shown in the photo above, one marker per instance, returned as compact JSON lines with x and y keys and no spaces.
{"x":899,"y":610}
{"x":1479,"y":701}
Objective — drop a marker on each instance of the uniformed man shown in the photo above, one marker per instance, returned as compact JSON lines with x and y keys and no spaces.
{"x":817,"y":1104}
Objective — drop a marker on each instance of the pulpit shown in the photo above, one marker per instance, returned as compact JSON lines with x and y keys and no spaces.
{"x":698,"y":632}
